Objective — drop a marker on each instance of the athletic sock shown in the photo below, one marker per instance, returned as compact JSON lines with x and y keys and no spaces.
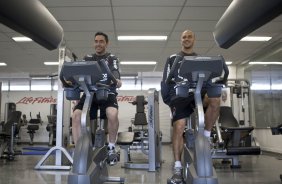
{"x":207,"y":133}
{"x":111,"y":145}
{"x":177,"y":164}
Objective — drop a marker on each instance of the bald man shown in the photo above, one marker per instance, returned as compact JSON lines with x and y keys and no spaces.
{"x":183,"y":108}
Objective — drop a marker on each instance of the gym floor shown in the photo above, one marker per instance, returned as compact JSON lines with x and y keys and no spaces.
{"x":263,"y":169}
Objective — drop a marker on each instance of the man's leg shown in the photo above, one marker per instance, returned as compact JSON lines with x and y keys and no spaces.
{"x":179,"y":114}
{"x":76,"y":119}
{"x":113,"y":125}
{"x":177,"y":138}
{"x":76,"y":125}
{"x":212,"y":113}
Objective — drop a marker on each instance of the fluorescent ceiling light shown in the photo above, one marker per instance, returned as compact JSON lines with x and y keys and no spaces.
{"x":256,"y":38}
{"x":3,"y":64}
{"x":51,"y":63}
{"x":21,"y":39}
{"x":138,"y":62}
{"x":228,"y":62}
{"x":129,"y":77}
{"x":40,"y":78}
{"x":265,"y":63}
{"x":144,"y":38}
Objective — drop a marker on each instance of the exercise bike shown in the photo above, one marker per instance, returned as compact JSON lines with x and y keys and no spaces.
{"x":198,"y":73}
{"x":277,"y":131}
{"x":90,"y":159}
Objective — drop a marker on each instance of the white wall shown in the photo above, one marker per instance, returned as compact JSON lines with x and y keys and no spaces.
{"x":30,"y":101}
{"x":240,"y":72}
{"x":127,"y":112}
{"x":267,"y":141}
{"x":232,"y":72}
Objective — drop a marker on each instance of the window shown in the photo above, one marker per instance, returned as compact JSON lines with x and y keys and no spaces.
{"x":5,"y":85}
{"x":41,"y":85}
{"x":19,"y":85}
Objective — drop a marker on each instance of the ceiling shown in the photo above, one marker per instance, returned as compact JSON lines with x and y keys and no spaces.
{"x":81,"y":19}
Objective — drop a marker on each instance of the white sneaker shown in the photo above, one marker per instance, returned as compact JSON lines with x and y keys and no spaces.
{"x":113,"y":157}
{"x":177,"y":177}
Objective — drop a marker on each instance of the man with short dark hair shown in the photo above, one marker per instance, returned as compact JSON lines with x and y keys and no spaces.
{"x":109,"y":108}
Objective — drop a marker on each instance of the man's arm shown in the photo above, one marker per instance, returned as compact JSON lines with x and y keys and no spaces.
{"x":168,"y":67}
{"x":172,"y":68}
{"x":166,"y":70}
{"x":226,"y":73}
{"x":114,"y":67}
{"x":166,"y":89}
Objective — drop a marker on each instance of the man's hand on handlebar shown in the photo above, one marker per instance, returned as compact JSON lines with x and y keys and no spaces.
{"x":119,"y":83}
{"x":69,"y":83}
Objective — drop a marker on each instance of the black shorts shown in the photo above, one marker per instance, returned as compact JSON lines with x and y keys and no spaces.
{"x":110,"y":102}
{"x":183,"y":107}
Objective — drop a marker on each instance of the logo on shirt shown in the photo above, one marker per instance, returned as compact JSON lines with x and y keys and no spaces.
{"x":115,"y":64}
{"x":105,"y":77}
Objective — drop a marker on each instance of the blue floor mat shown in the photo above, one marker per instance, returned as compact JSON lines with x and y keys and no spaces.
{"x":36,"y":153}
{"x":35,"y":150}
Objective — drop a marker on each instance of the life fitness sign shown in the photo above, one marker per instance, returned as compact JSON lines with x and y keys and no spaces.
{"x":51,"y":100}
{"x":37,"y":100}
